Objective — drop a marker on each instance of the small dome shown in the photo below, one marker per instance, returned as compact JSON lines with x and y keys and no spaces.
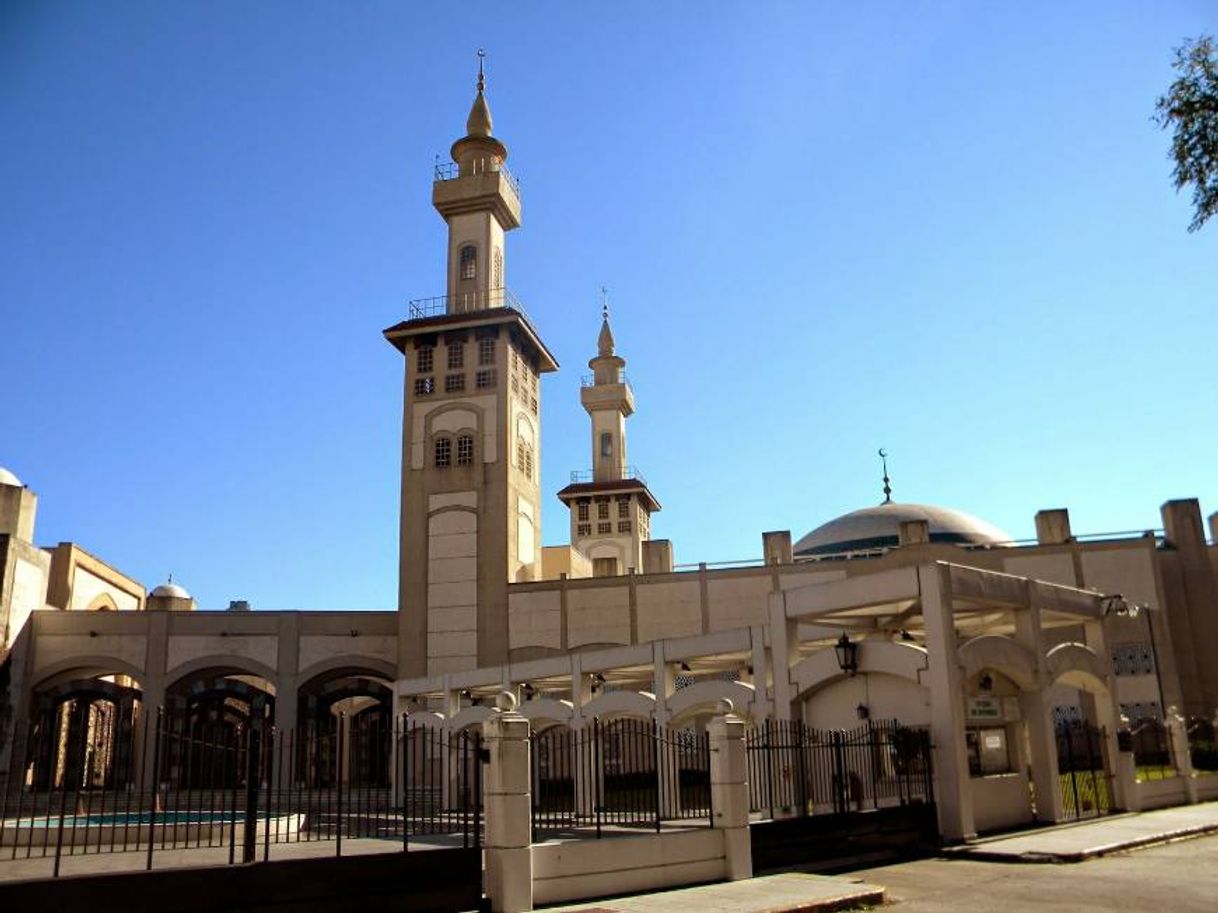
{"x":7,"y":478}
{"x":171,"y":590}
{"x":878,"y":527}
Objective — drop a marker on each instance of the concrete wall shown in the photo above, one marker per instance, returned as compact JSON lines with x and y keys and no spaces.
{"x":1000,"y":802}
{"x":1152,"y":794}
{"x":576,"y":870}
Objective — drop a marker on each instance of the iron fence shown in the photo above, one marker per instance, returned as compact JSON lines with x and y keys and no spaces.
{"x":798,"y":769}
{"x":1083,"y":775}
{"x":148,"y":783}
{"x":1202,"y":745}
{"x":622,"y":774}
{"x":1151,"y":744}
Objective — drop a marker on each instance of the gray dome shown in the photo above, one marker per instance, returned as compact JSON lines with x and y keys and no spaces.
{"x":878,"y":527}
{"x":7,"y":478}
{"x":171,"y":590}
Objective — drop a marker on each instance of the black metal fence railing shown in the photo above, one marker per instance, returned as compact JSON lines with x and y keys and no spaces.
{"x":622,"y":774}
{"x":149,"y":784}
{"x":1202,"y":745}
{"x":1083,"y":775}
{"x":801,"y":770}
{"x":1151,"y":744}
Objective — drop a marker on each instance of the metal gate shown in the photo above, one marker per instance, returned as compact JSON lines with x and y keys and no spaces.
{"x":831,"y":794}
{"x":1086,"y":782}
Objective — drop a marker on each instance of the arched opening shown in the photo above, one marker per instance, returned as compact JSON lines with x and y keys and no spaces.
{"x":83,"y":733}
{"x":345,"y":729}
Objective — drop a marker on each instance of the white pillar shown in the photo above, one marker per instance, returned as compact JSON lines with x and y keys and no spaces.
{"x":1038,"y":718}
{"x":1177,"y":732}
{"x":784,"y":651}
{"x":507,"y":797}
{"x":730,"y":790}
{"x":945,"y":679}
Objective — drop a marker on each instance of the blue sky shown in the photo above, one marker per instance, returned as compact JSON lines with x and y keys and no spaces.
{"x":947,"y":229}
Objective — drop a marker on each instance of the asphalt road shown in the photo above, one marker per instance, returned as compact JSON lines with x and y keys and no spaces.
{"x":1175,"y":878}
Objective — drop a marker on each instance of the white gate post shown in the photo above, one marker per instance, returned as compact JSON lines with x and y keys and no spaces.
{"x":1177,"y":733}
{"x":730,"y":790}
{"x":509,"y":812}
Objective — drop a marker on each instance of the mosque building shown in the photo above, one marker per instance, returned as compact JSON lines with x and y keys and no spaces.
{"x":944,"y":620}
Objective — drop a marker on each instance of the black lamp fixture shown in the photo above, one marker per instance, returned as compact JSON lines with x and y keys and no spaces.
{"x":528,"y":691}
{"x":986,"y":683}
{"x":863,"y":711}
{"x":685,"y":667}
{"x":847,"y":654}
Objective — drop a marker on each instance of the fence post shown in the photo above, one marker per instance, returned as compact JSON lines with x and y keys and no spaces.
{"x":730,"y":790}
{"x":250,"y":830}
{"x":509,"y":854}
{"x":1177,"y":734}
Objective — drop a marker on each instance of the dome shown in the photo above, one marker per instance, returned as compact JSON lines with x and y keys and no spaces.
{"x":878,"y":527}
{"x":171,"y":590}
{"x":7,"y":478}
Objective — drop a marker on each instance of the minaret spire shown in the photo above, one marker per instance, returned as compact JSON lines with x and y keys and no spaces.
{"x":604,"y":341}
{"x":887,"y":481}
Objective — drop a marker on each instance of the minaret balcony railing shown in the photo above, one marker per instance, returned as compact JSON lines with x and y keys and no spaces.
{"x":465,"y":302}
{"x":589,"y":380}
{"x":450,"y":171}
{"x":589,"y":475}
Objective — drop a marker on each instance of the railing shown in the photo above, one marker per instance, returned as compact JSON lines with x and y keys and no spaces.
{"x":619,"y":775}
{"x":625,"y":472}
{"x":589,"y":380}
{"x":1202,"y":745}
{"x":1151,"y":744}
{"x":1085,"y":782}
{"x":466,"y":301}
{"x":450,"y":171}
{"x":794,"y":768}
{"x":236,"y":787}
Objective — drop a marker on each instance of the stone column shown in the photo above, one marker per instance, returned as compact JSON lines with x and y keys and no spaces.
{"x":1177,"y":732}
{"x":507,"y":797}
{"x":945,"y":679}
{"x":1037,"y":714}
{"x":784,"y":652}
{"x":730,"y":790}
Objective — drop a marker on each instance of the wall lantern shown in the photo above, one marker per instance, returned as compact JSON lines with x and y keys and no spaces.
{"x":986,"y":683}
{"x":863,"y":711}
{"x":847,"y":654}
{"x":528,"y":691}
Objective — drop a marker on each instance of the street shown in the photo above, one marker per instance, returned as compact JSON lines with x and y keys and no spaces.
{"x":1175,"y":878}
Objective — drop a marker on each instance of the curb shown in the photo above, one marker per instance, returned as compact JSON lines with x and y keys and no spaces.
{"x":1137,"y":843}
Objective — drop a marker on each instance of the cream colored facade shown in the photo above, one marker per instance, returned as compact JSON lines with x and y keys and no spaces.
{"x":605,"y":627}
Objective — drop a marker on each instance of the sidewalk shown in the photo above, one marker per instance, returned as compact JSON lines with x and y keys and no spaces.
{"x":791,"y":892}
{"x":1077,"y":842}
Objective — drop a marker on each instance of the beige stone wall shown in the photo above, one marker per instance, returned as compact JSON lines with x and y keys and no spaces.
{"x":87,"y":587}
{"x":669,"y":608}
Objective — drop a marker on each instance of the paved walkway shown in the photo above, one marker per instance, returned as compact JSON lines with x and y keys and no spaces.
{"x":1099,"y":837}
{"x":791,"y":892}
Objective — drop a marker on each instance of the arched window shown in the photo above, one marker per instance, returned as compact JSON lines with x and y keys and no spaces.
{"x":469,"y":261}
{"x":444,"y":452}
{"x":606,"y":444}
{"x":465,"y":450}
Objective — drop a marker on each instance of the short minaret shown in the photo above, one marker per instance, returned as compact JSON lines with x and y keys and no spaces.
{"x":610,"y":505}
{"x":471,"y":429}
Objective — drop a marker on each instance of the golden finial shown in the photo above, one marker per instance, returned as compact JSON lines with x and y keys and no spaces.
{"x":887,"y":486}
{"x":481,"y":74}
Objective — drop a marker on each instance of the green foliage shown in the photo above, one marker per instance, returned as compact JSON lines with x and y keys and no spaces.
{"x":1190,"y":108}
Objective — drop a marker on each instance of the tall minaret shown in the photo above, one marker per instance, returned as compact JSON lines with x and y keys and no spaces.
{"x":611,"y":505}
{"x":471,"y":430}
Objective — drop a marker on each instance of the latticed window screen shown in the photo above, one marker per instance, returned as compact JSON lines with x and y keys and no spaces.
{"x":485,"y":379}
{"x":456,"y":355}
{"x":602,"y":509}
{"x":424,"y":358}
{"x":1133,"y":659}
{"x":486,"y":351}
{"x":444,"y":451}
{"x":469,"y":261}
{"x":465,"y":450}
{"x":581,"y":510}
{"x":454,"y":383}
{"x":424,"y":386}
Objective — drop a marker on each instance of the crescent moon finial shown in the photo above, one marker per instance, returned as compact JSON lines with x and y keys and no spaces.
{"x":887,"y":487}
